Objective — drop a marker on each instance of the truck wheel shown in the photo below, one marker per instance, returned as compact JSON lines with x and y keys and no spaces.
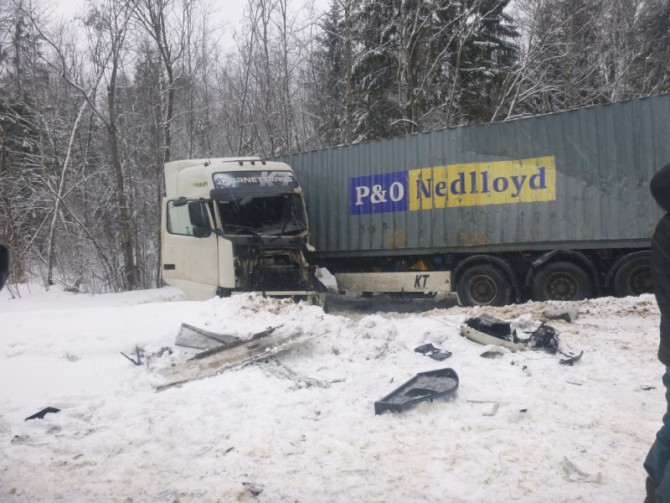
{"x":561,"y":281}
{"x":483,"y":285}
{"x":633,"y":278}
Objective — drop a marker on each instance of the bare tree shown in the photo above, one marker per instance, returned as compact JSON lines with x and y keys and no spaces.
{"x":108,"y":22}
{"x":61,"y":63}
{"x":166,"y":27}
{"x":168,"y":31}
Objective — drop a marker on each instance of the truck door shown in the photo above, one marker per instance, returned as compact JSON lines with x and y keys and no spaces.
{"x":189,"y":248}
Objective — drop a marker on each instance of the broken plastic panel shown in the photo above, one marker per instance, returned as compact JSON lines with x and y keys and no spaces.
{"x":492,"y":326}
{"x":43,"y":412}
{"x":433,"y":352}
{"x":487,"y":329}
{"x":425,"y":386}
{"x":198,"y":338}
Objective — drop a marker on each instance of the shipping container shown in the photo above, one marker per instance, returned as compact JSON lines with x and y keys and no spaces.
{"x":549,"y":207}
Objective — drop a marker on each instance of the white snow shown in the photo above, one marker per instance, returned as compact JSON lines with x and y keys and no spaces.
{"x":301,"y":425}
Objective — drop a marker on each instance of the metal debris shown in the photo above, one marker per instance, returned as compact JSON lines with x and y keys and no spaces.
{"x":43,"y":412}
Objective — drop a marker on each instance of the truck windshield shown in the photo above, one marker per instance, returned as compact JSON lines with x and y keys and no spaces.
{"x":276,"y":215}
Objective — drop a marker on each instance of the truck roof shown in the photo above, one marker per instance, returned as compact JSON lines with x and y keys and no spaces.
{"x":195,"y":175}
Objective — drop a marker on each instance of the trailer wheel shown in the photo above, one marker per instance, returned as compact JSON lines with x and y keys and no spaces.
{"x":561,"y":281}
{"x":483,"y":285}
{"x":633,"y":278}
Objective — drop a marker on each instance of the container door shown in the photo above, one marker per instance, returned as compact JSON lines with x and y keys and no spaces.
{"x":189,"y":248}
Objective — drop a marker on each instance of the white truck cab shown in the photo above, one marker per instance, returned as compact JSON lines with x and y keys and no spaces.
{"x":234,"y":225}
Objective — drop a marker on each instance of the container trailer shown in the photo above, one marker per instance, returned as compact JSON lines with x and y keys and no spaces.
{"x":555,"y":207}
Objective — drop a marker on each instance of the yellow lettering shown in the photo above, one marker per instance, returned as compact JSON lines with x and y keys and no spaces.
{"x":479,"y":184}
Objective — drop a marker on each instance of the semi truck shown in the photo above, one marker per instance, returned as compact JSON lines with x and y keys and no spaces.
{"x":235,"y":225}
{"x":555,"y":207}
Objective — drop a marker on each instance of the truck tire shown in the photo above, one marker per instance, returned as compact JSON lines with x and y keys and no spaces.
{"x":561,"y":281}
{"x":633,"y":277}
{"x":483,"y":285}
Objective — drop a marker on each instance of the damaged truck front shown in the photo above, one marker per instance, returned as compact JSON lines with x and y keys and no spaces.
{"x":235,"y":225}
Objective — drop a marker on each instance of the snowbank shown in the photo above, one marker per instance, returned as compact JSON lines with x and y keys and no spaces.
{"x":301,"y":426}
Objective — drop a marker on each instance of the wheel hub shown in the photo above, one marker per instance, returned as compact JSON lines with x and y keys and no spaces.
{"x":482,"y":289}
{"x":562,"y":287}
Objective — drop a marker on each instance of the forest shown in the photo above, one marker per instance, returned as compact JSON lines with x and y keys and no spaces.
{"x":93,"y":105}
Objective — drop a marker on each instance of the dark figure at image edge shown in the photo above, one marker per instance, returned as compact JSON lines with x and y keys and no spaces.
{"x":657,"y":463}
{"x":4,"y":265}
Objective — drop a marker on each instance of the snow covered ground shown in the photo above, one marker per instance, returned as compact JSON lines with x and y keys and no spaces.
{"x":301,"y":425}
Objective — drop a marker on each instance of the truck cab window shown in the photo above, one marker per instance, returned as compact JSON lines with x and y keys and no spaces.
{"x":189,"y":219}
{"x":283,"y":214}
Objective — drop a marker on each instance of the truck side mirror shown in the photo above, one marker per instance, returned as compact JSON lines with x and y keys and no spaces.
{"x":197,"y":212}
{"x":179,"y":202}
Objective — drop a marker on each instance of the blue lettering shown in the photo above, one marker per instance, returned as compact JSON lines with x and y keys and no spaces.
{"x":473,"y":182}
{"x":500,"y":184}
{"x":423,"y":190}
{"x":518,"y":184}
{"x":538,"y":181}
{"x":381,"y":193}
{"x":458,"y":185}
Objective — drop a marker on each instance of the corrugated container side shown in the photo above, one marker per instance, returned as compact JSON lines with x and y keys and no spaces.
{"x":604,"y":158}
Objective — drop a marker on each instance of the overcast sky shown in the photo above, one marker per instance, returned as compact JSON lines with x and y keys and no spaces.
{"x":229,"y":13}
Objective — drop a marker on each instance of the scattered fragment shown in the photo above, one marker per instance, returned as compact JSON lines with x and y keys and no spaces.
{"x":494,"y":408}
{"x":425,"y":386}
{"x":42,"y":413}
{"x":216,"y":360}
{"x":544,"y":337}
{"x":139,"y":352}
{"x":440,"y":355}
{"x":571,"y":360}
{"x":277,"y":368}
{"x":162,"y":351}
{"x":568,"y":315}
{"x":197,"y":338}
{"x":487,"y":329}
{"x":573,"y":474}
{"x":433,"y":352}
{"x":234,"y":342}
{"x":493,"y":353}
{"x":425,"y":349}
{"x":647,"y":388}
{"x":254,"y":489}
